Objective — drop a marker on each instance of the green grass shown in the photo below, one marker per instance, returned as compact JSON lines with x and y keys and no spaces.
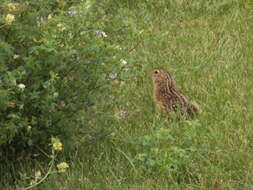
{"x":207,"y":46}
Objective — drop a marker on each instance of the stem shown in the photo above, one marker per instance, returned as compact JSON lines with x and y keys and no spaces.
{"x":47,"y":174}
{"x":3,"y":25}
{"x":130,"y":161}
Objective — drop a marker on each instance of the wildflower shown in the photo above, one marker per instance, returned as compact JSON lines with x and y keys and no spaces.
{"x":11,"y":6}
{"x":40,"y":20}
{"x":49,"y":17}
{"x":37,"y":175}
{"x":122,"y":113}
{"x":62,"y":166}
{"x":123,"y":61}
{"x":112,"y":75}
{"x":57,"y":145}
{"x":29,"y":128}
{"x":16,"y":56}
{"x":101,"y":33}
{"x":9,"y":19}
{"x":72,"y":13}
{"x":21,"y":86}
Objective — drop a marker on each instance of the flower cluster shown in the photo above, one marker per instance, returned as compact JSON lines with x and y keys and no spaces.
{"x":21,"y":86}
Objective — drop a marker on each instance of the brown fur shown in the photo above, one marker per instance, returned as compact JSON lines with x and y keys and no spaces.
{"x":167,"y":97}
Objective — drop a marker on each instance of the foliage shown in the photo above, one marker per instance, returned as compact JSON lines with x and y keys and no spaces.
{"x":159,"y":155}
{"x":55,"y":61}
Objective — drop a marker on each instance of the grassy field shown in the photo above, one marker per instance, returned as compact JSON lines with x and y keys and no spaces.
{"x":207,"y":46}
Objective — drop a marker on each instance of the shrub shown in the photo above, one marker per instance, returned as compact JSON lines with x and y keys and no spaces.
{"x":54,"y":63}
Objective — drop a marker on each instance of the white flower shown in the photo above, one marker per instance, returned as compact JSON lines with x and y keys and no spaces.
{"x":21,"y":86}
{"x":16,"y":56}
{"x":112,"y":75}
{"x":101,"y":33}
{"x":123,"y":61}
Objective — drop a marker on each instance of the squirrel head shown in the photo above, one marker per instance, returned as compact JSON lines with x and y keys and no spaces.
{"x":162,"y":77}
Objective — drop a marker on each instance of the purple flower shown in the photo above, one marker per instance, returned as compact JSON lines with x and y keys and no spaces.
{"x":72,"y":13}
{"x":122,"y":113}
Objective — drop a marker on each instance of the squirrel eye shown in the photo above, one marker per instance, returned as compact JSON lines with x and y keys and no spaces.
{"x":156,"y":71}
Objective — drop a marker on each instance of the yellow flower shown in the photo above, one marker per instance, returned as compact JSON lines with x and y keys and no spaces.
{"x":16,"y":56}
{"x":57,"y":145}
{"x":11,"y":6}
{"x":9,"y":19}
{"x":62,"y":166}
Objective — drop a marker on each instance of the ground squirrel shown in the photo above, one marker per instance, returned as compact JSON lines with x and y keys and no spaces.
{"x":167,"y":97}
